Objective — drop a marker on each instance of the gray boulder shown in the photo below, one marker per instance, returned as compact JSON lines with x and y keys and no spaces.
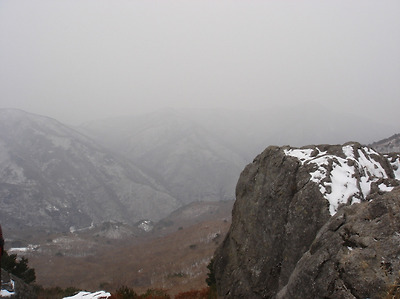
{"x":355,"y":254}
{"x":282,"y":200}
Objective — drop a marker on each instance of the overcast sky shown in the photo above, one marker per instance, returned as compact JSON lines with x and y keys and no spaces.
{"x":84,"y":59}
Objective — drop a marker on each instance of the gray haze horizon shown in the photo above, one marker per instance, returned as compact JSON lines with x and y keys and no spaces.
{"x":83,"y":60}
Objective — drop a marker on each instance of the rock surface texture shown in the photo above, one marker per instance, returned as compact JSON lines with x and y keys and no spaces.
{"x":282,"y":200}
{"x":355,"y":254}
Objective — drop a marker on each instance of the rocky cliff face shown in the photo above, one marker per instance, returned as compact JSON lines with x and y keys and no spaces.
{"x":355,"y":254}
{"x":282,"y":200}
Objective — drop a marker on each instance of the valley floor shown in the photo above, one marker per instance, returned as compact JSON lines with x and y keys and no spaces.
{"x":174,"y":260}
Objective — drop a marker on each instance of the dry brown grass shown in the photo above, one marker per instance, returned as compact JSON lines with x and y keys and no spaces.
{"x":176,"y":262}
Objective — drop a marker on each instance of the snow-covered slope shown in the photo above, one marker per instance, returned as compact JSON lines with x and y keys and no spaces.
{"x":53,"y":177}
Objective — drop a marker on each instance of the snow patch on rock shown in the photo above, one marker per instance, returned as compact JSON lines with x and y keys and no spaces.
{"x":337,"y":176}
{"x":8,"y":293}
{"x":88,"y":295}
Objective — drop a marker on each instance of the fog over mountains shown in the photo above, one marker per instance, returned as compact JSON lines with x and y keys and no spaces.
{"x":192,"y":162}
{"x":248,"y":132}
{"x":53,"y":177}
{"x":145,"y":167}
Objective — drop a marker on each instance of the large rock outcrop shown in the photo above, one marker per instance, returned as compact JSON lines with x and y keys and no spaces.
{"x":282,"y":200}
{"x":355,"y":254}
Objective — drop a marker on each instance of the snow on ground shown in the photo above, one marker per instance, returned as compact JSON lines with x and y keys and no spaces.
{"x":342,"y":185}
{"x":30,"y":248}
{"x":385,"y":188}
{"x":146,"y":225}
{"x":6,"y":293}
{"x":88,"y":295}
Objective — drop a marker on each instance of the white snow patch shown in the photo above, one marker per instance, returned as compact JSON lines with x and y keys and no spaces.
{"x":6,"y":293}
{"x":24,"y":249}
{"x":372,"y":168}
{"x":365,"y":185}
{"x":385,"y":188}
{"x":397,"y":170}
{"x":348,"y":151}
{"x":302,"y":154}
{"x":52,"y":208}
{"x":146,"y":225}
{"x":370,"y":151}
{"x":73,"y":229}
{"x":342,"y":183}
{"x":88,"y":295}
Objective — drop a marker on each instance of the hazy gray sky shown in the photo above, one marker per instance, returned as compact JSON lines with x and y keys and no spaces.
{"x":85,"y":59}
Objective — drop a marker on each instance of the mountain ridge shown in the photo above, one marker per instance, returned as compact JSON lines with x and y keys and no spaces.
{"x":388,"y":145}
{"x":193,"y":163}
{"x":146,"y":166}
{"x":56,"y":172}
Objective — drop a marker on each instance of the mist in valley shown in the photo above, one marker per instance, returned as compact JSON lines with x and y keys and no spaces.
{"x":125,"y":126}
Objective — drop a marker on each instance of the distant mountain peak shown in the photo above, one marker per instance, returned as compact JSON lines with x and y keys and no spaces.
{"x":388,"y":145}
{"x":52,"y":177}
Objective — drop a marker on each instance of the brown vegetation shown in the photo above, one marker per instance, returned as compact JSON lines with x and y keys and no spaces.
{"x":127,"y":293}
{"x":176,"y":262}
